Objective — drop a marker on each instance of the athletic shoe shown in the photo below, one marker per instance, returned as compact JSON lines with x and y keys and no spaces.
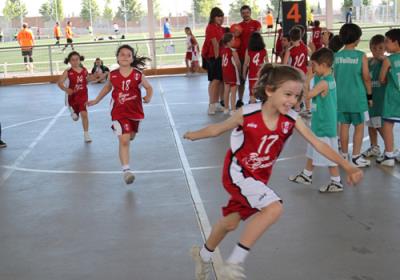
{"x":219,"y":108}
{"x":211,"y":109}
{"x":372,"y":151}
{"x":74,"y":116}
{"x":232,"y":112}
{"x":239,"y":104}
{"x":301,"y":179}
{"x":385,"y":160}
{"x":129,"y":177}
{"x":87,"y":138}
{"x":332,"y":187}
{"x":226,"y":112}
{"x":2,"y":144}
{"x":232,"y":271}
{"x":360,"y":161}
{"x":222,"y":103}
{"x":202,"y":270}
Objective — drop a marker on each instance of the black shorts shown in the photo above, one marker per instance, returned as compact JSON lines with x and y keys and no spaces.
{"x":26,"y":52}
{"x":270,"y":26}
{"x":214,"y":69}
{"x":204,"y":64}
{"x":58,"y":38}
{"x":69,"y":41}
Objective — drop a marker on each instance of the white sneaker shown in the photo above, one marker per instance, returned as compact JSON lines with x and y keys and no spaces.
{"x":360,"y":161}
{"x":87,"y":138}
{"x":332,"y":187}
{"x":301,"y":179}
{"x":129,"y":177}
{"x":372,"y":151}
{"x":232,"y":112}
{"x":226,"y":112}
{"x":211,"y":109}
{"x":232,"y":271}
{"x":202,"y":270}
{"x":218,"y":107}
{"x":74,"y":116}
{"x":385,"y":160}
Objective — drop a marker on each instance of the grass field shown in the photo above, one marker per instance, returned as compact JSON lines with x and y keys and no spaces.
{"x":10,"y":53}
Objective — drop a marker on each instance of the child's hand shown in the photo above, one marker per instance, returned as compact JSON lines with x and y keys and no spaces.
{"x":91,"y":102}
{"x":354,"y":175}
{"x":69,"y":91}
{"x":189,"y":136}
{"x":146,"y":99}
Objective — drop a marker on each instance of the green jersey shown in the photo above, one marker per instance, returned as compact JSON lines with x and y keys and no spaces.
{"x":351,"y":91}
{"x":324,"y":113}
{"x":378,"y":90}
{"x":391,"y":104}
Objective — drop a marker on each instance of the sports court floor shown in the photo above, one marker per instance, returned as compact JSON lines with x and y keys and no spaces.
{"x":66,"y":214}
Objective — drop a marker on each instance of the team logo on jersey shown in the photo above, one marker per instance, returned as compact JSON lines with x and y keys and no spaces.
{"x":137,"y":76}
{"x":124,"y":97}
{"x":286,"y":126}
{"x":254,"y":161}
{"x":253,"y":125}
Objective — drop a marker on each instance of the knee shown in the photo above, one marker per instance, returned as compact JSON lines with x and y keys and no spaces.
{"x":229,"y":225}
{"x":124,"y":141}
{"x":274,"y":210}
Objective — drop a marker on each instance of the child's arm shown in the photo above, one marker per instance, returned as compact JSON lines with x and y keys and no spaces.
{"x":216,"y":129}
{"x":367,"y":78}
{"x":215,"y":45}
{"x":61,"y":81}
{"x":384,"y":70}
{"x":236,"y":59}
{"x":148,"y":88}
{"x":245,"y":65}
{"x":104,"y":91}
{"x":354,"y":175}
{"x":320,"y":88}
{"x":286,"y":56}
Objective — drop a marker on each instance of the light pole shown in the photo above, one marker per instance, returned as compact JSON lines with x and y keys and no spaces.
{"x":91,"y":19}
{"x":21,"y":14}
{"x":126,"y":22}
{"x":56,"y":8}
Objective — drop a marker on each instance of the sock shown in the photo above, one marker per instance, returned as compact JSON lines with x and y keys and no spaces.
{"x":206,"y":253}
{"x":86,"y":132}
{"x":335,"y":179}
{"x":308,"y":173}
{"x":389,"y":154}
{"x":238,"y":254}
{"x":125,"y":167}
{"x":345,"y":155}
{"x":355,"y":156}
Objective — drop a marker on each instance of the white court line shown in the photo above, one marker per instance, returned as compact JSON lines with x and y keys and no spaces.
{"x":204,"y":223}
{"x":30,"y":148}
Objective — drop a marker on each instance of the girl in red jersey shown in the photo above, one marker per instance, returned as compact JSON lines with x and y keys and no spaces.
{"x":126,"y":103}
{"x":255,"y":57}
{"x":316,"y":37}
{"x":192,"y":52}
{"x":230,"y":72}
{"x":76,"y":91}
{"x":259,"y":134}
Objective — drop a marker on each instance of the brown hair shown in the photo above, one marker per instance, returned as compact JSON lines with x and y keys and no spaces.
{"x":273,"y":76}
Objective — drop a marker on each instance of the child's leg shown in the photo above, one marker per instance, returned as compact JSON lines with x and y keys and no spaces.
{"x":344,"y":137}
{"x":233,"y":96}
{"x":85,"y":120}
{"x":187,"y":65}
{"x":124,"y":141}
{"x":357,"y":138}
{"x":373,"y":136}
{"x":226,"y":96}
{"x":221,"y":229}
{"x":388,"y":136}
{"x":309,"y":165}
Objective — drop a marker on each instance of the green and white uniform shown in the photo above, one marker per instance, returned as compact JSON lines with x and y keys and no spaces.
{"x":391,"y":104}
{"x":378,"y":93}
{"x":351,"y":92}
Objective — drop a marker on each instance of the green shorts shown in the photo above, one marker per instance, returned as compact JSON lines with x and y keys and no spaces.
{"x":351,"y":118}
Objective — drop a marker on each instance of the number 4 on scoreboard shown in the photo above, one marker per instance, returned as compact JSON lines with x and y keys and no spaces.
{"x":294,"y":13}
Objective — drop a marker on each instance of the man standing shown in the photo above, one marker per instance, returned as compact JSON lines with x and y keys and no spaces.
{"x":269,"y":21}
{"x":349,"y":15}
{"x":249,"y":26}
{"x":57,"y":33}
{"x":26,"y":41}
{"x":68,"y":35}
{"x":167,"y":31}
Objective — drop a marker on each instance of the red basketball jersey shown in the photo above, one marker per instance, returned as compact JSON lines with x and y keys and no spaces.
{"x":316,"y":37}
{"x":278,"y":45}
{"x":256,"y":61}
{"x":78,"y":82}
{"x":126,"y":102}
{"x":230,"y":73}
{"x":299,"y":57}
{"x":254,"y":147}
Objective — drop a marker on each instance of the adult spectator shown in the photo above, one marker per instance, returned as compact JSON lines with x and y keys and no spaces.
{"x":310,"y":18}
{"x":68,"y":35}
{"x":26,"y":41}
{"x":269,"y":21}
{"x":2,"y":143}
{"x":167,"y":31}
{"x":249,"y":26}
{"x":99,"y":71}
{"x":57,"y":33}
{"x":349,"y":15}
{"x":211,"y":53}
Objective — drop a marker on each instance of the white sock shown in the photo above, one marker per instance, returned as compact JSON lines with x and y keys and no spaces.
{"x":206,"y":254}
{"x":86,"y":132}
{"x":345,"y":155}
{"x":355,"y":156}
{"x":238,"y":254}
{"x":389,"y":154}
{"x":307,"y":172}
{"x":335,"y":179}
{"x":125,"y":167}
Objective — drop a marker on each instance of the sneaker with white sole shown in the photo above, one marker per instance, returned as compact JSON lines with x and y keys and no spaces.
{"x":385,"y":160}
{"x":332,"y":187}
{"x":373,"y":151}
{"x":87,"y":138}
{"x":74,"y":116}
{"x":301,"y":179}
{"x":232,"y":271}
{"x":128,"y":177}
{"x":360,"y":161}
{"x":211,"y":109}
{"x":2,"y":144}
{"x":218,"y":107}
{"x":226,"y":112}
{"x":202,"y":269}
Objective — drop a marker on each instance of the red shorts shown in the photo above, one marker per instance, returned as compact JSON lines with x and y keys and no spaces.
{"x":125,"y":126}
{"x":188,"y":56}
{"x":77,"y":103}
{"x":166,"y":36}
{"x":231,"y":77}
{"x":252,"y":83}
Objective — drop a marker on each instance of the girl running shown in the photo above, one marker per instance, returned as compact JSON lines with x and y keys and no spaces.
{"x":255,"y":57}
{"x":126,"y":102}
{"x":192,"y":52}
{"x":76,"y":91}
{"x":259,"y":133}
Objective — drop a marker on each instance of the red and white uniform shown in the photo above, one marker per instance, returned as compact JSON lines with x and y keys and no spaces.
{"x":256,"y":61}
{"x":78,"y":83}
{"x":192,"y":50}
{"x":278,"y":45}
{"x":230,"y":73}
{"x":248,"y":163}
{"x":299,"y":57}
{"x":126,"y":102}
{"x":247,"y":29}
{"x":316,"y":37}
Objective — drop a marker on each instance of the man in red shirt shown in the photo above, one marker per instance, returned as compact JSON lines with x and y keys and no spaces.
{"x":249,"y":26}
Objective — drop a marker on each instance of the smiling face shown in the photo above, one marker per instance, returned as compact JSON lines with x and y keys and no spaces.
{"x":391,"y":46}
{"x":378,"y":51}
{"x":124,"y":57}
{"x":75,"y":61}
{"x":246,"y":14}
{"x":325,"y":37}
{"x":285,"y":97}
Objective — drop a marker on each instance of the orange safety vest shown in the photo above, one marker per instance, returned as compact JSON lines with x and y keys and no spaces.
{"x":57,"y":31}
{"x":25,"y":38}
{"x":68,"y":32}
{"x":269,"y":19}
